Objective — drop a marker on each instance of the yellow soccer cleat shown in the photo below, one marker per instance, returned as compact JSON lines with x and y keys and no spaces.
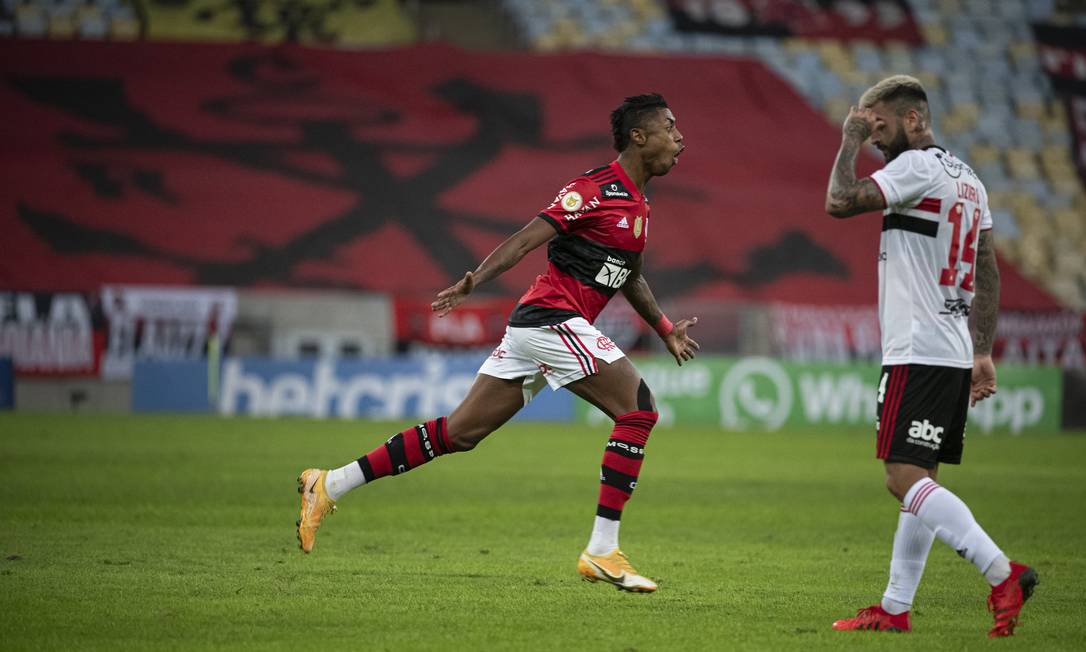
{"x":315,"y":505}
{"x":615,"y":568}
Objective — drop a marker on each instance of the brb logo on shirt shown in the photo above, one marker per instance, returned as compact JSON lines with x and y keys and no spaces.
{"x":613,"y":274}
{"x":924,"y":433}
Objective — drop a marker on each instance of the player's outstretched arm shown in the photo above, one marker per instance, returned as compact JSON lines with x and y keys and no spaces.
{"x":505,"y":256}
{"x":846,"y":196}
{"x":679,"y":344}
{"x":984,"y":313}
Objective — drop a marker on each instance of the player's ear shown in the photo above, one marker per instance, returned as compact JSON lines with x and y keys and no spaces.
{"x":637,"y":136}
{"x":914,"y":120}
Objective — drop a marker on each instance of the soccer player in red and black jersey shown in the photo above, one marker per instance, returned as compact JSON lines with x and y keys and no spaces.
{"x":596,"y":230}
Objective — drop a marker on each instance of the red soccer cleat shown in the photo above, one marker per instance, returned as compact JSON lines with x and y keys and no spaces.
{"x":1007,"y":599}
{"x":876,"y":618}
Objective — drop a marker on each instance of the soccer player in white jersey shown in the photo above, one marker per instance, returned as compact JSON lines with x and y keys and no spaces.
{"x":937,"y":268}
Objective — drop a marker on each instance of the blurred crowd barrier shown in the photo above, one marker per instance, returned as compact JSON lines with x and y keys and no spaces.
{"x":749,"y":393}
{"x":341,"y":354}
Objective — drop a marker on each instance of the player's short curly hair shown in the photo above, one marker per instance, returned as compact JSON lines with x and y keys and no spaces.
{"x":901,"y":91}
{"x":631,"y":114}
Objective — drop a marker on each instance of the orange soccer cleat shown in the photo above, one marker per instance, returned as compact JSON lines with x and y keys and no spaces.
{"x":615,"y":568}
{"x":315,"y":505}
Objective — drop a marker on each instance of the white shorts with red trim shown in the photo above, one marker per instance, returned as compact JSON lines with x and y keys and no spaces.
{"x":558,"y":354}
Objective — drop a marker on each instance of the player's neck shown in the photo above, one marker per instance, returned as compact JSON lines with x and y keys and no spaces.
{"x":635,"y":169}
{"x":924,"y":140}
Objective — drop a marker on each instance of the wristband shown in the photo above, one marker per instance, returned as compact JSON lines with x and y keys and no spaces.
{"x":663,"y":326}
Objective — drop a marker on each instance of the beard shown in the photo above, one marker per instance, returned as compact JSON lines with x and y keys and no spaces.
{"x":894,"y":148}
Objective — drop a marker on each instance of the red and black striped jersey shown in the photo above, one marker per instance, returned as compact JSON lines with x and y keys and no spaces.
{"x":602,"y":222}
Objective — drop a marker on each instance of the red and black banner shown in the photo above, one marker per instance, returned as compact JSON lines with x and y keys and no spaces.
{"x":398,"y":170}
{"x":866,"y":20}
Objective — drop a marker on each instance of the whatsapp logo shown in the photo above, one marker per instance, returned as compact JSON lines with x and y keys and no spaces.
{"x":755,"y":393}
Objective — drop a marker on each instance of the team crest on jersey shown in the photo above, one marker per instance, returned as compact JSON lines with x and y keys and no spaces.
{"x":638,"y":224}
{"x":572,"y":201}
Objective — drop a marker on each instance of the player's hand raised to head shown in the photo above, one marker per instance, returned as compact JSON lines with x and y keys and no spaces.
{"x":983,"y":382}
{"x":679,"y":343}
{"x":451,"y":297}
{"x":860,"y":123}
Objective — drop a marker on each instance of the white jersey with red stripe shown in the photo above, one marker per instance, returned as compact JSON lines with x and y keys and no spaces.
{"x":935,"y":208}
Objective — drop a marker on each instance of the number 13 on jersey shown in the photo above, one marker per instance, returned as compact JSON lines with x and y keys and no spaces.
{"x":967,"y":250}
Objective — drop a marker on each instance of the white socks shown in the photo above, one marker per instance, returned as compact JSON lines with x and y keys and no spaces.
{"x":950,"y":519}
{"x":912,"y":542}
{"x":604,"y":536}
{"x":340,"y":481}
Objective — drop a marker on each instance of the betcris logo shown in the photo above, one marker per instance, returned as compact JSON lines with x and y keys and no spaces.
{"x":374,"y":388}
{"x":378,"y":389}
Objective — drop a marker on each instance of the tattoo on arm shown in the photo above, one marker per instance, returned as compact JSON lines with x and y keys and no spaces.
{"x":985,"y":309}
{"x":846,"y":196}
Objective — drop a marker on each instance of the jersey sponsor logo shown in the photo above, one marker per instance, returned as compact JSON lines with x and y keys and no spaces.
{"x":612,"y":275}
{"x":604,"y":343}
{"x":623,"y":224}
{"x":925,"y":433}
{"x":614,"y":189}
{"x":953,"y":166}
{"x":638,"y":223}
{"x":572,"y":201}
{"x":956,"y":308}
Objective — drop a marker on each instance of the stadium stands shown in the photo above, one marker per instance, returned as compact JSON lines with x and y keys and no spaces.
{"x":992,"y":100}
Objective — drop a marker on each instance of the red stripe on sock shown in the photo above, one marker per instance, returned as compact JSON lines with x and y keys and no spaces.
{"x":630,"y":437}
{"x":380,"y":462}
{"x":411,"y":449}
{"x":631,"y":428}
{"x":622,"y":464}
{"x":441,"y":427}
{"x":613,"y":498}
{"x":922,"y":495}
{"x":635,"y":426}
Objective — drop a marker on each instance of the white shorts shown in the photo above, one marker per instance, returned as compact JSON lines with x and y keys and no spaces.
{"x":558,"y":354}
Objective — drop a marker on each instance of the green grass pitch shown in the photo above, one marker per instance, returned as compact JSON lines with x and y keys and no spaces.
{"x":136,"y":532}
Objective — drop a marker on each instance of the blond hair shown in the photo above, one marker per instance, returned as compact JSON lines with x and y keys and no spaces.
{"x":903,"y":91}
